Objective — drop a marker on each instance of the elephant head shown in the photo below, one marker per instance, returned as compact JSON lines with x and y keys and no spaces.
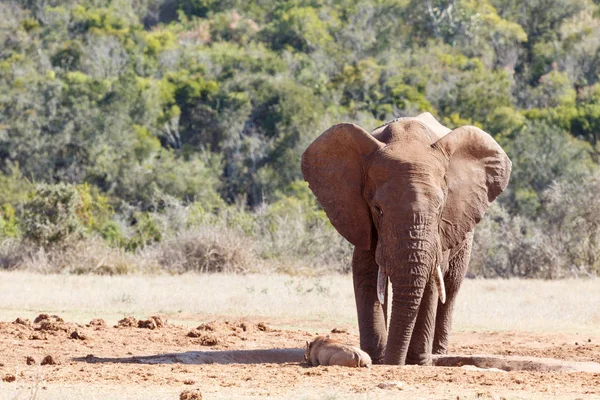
{"x":409,"y":191}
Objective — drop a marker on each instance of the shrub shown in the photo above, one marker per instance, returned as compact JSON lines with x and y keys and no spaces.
{"x":86,"y":256}
{"x":51,"y":215}
{"x":572,"y":220}
{"x":208,"y":250}
{"x":507,"y":246}
{"x":9,"y":224}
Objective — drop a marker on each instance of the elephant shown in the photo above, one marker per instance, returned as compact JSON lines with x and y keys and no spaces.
{"x":407,"y":196}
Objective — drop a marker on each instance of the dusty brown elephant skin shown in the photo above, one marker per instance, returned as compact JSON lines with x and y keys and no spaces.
{"x":408,"y":197}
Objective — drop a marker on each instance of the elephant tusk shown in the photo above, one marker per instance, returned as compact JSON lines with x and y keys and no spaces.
{"x":440,"y":284}
{"x":381,"y":285}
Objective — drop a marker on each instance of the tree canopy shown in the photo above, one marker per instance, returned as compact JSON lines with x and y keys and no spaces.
{"x":213,"y":102}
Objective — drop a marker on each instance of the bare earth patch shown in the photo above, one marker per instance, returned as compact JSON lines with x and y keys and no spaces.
{"x":253,"y":357}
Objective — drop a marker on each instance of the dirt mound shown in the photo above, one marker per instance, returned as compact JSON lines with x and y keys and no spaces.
{"x":51,"y":326}
{"x":97,"y":323}
{"x":153,"y":322}
{"x":51,"y":323}
{"x":127,"y":322}
{"x":224,"y":326}
{"x":233,"y":326}
{"x":49,"y":360}
{"x":190,"y":395}
{"x":205,"y":339}
{"x":46,"y":317}
{"x":227,"y":333}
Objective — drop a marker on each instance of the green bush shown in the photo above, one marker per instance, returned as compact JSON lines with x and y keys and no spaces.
{"x":51,"y":215}
{"x":9,"y":224}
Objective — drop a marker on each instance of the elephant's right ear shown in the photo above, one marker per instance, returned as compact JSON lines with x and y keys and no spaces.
{"x":333,"y":167}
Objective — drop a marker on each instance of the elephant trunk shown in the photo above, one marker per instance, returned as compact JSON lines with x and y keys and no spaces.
{"x":408,"y":288}
{"x":417,"y":258}
{"x":439,"y":280}
{"x":408,"y":260}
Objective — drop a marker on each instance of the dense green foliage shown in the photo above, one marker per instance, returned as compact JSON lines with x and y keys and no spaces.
{"x":117,"y":115}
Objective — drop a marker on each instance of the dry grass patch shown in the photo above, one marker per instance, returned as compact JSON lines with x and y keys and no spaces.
{"x":90,"y":256}
{"x":208,"y":251}
{"x":200,"y":250}
{"x":525,"y":305}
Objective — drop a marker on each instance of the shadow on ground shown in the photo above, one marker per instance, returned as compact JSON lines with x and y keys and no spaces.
{"x":262,"y":356}
{"x":514,"y":363}
{"x":282,"y":356}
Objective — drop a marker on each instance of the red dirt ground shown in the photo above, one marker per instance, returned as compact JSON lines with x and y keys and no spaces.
{"x":252,"y":357}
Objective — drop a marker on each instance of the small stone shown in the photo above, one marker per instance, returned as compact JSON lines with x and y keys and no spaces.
{"x":263,"y":327}
{"x":159,"y":321}
{"x":189,"y":382}
{"x":38,"y":336}
{"x":391,"y":385}
{"x":209,"y":326}
{"x":339,"y":330}
{"x":78,"y":335}
{"x":208,"y":340}
{"x":22,"y":321}
{"x":30,"y":360}
{"x":9,"y":378}
{"x":99,"y":323}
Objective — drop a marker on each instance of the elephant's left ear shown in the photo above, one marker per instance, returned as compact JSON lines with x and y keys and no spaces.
{"x":477,"y":173}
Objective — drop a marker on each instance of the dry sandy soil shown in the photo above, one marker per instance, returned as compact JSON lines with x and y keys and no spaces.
{"x":503,"y":320}
{"x":245,"y":358}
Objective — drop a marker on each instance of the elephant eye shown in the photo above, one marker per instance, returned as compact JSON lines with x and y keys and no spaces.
{"x":378,"y":211}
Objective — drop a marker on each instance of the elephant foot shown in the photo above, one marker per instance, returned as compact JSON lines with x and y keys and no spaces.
{"x":378,"y":361}
{"x":423,"y":360}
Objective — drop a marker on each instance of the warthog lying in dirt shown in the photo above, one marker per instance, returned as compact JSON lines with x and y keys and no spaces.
{"x":326,"y":351}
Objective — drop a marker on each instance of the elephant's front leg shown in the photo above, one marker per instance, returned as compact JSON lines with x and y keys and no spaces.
{"x":457,"y":268}
{"x":371,"y":314}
